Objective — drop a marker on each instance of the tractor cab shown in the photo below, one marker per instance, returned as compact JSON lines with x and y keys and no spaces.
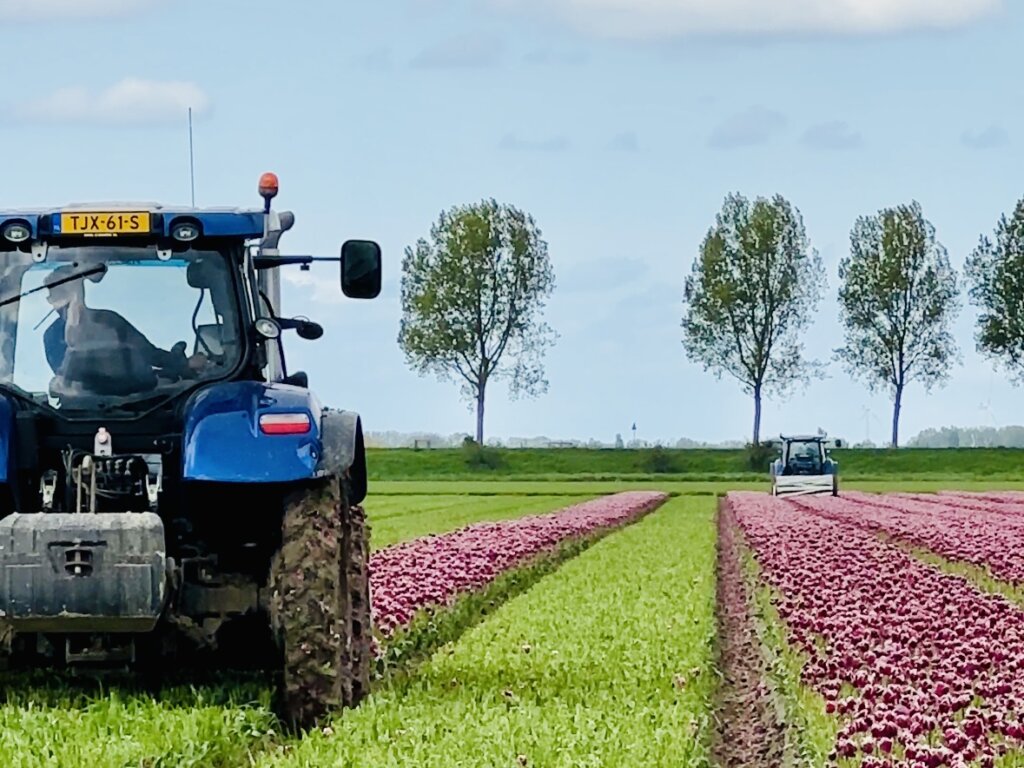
{"x":139,"y":320}
{"x":803,"y":456}
{"x":109,"y":329}
{"x":114,"y":310}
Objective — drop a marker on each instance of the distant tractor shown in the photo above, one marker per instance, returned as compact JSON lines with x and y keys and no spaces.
{"x":166,"y":499}
{"x":805,"y":466}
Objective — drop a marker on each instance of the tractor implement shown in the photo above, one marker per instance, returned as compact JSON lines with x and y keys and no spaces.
{"x":805,"y":466}
{"x":169,"y":491}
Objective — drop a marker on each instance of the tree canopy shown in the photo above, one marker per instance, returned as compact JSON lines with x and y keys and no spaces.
{"x":472,"y":299}
{"x":752,"y":291}
{"x":995,"y":270}
{"x":898,"y":297}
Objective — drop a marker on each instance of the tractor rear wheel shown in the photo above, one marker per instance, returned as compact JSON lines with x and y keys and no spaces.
{"x":320,"y":603}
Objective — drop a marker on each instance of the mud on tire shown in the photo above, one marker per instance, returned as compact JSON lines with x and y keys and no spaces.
{"x":320,"y":603}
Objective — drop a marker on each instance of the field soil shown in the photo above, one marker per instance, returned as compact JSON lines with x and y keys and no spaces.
{"x":749,"y":732}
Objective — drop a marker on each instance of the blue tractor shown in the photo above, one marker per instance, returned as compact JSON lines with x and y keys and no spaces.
{"x":168,"y":489}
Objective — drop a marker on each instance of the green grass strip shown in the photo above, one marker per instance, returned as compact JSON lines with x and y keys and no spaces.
{"x":570,"y":487}
{"x":434,"y":628}
{"x":607,"y":662}
{"x":696,"y":464}
{"x":62,"y":723}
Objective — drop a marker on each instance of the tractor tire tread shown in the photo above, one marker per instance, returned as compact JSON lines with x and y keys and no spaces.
{"x":318,"y":578}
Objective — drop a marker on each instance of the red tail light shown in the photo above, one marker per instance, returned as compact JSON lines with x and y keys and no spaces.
{"x":285,"y":423}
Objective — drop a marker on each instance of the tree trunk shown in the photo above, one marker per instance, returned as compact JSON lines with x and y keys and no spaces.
{"x":757,"y":415}
{"x":480,"y":414}
{"x":897,"y":404}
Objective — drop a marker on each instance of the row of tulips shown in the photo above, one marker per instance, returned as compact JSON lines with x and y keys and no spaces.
{"x":1013,"y":497}
{"x":435,"y":570}
{"x":1003,"y":504}
{"x":993,"y":541}
{"x":921,"y":668}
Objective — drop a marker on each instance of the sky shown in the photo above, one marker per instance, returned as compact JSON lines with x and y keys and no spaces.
{"x":619,"y":125}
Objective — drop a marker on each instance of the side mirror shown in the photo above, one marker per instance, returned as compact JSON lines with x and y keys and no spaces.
{"x":839,"y":443}
{"x":306,"y":329}
{"x":310,"y":331}
{"x":360,"y":269}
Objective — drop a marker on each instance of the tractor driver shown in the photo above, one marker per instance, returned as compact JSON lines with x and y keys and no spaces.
{"x":114,"y":357}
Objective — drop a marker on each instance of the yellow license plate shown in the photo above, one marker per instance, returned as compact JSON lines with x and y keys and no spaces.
{"x":118,"y":223}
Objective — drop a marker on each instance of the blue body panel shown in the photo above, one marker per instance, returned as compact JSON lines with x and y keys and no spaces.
{"x":222,"y":441}
{"x":6,"y":438}
{"x":32,"y":219}
{"x":241,"y":223}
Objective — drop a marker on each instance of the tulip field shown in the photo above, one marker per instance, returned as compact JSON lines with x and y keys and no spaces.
{"x":578,"y":625}
{"x":901,"y":611}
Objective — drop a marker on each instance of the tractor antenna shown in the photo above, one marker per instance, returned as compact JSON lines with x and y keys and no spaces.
{"x":191,"y":159}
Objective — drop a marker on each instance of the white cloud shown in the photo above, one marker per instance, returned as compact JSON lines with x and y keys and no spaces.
{"x":760,"y":18}
{"x":461,"y":52}
{"x":130,"y":101}
{"x":990,"y":138}
{"x":626,"y":141}
{"x":832,"y":135}
{"x":513,"y":143}
{"x":320,"y":289}
{"x":754,"y":125}
{"x":37,"y":10}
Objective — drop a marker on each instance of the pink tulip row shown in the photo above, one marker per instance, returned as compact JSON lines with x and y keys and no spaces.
{"x":1010,"y":497}
{"x":990,"y":540}
{"x":990,"y":502}
{"x":435,"y":570}
{"x":991,"y":512}
{"x":921,"y":669}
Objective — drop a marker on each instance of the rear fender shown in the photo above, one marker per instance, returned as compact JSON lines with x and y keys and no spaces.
{"x":343,"y":450}
{"x":222,"y":440}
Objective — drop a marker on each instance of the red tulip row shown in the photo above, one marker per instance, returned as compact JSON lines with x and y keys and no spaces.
{"x":989,"y":502}
{"x":988,"y":511}
{"x":1009,"y":497}
{"x":990,"y":540}
{"x":435,"y":570}
{"x":921,"y":669}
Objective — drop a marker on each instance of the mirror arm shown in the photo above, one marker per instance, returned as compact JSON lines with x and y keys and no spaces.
{"x":289,"y":324}
{"x":269,"y":262}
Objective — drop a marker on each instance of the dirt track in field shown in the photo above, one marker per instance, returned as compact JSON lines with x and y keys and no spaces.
{"x":749,"y":733}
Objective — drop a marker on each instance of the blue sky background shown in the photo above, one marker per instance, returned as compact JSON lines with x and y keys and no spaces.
{"x":620,"y":131}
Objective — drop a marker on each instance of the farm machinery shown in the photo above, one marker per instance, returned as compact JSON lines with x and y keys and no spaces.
{"x":164,"y":501}
{"x":805,"y":466}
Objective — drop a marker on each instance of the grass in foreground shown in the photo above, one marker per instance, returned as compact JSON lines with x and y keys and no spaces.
{"x":607,"y":662}
{"x":400,"y":518}
{"x":53,"y":723}
{"x":53,"y":720}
